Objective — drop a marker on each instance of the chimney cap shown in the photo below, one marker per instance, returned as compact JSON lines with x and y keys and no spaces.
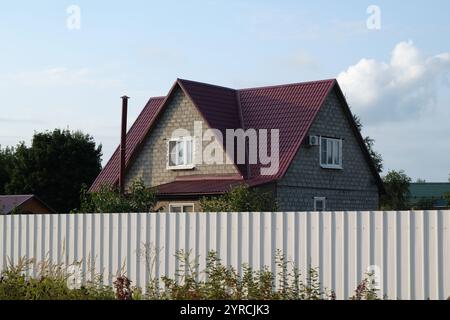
{"x":125,"y":97}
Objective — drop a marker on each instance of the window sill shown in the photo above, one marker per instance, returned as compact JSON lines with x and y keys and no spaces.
{"x":189,"y":167}
{"x":331,"y":167}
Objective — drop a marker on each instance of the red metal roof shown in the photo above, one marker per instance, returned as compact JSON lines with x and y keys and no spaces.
{"x":290,"y":108}
{"x":137,"y":132}
{"x":197,"y":187}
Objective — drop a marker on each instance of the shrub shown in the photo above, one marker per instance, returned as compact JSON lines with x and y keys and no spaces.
{"x":215,"y":282}
{"x":220,"y":282}
{"x":240,"y":199}
{"x":51,"y":283}
{"x":109,"y":200}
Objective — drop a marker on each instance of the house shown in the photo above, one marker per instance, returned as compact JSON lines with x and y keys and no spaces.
{"x":23,"y":204}
{"x":318,"y":159}
{"x":431,"y":194}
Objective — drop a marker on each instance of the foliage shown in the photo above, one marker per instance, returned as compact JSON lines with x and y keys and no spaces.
{"x":55,"y":167}
{"x":215,"y":282}
{"x":366,"y":290}
{"x":424,"y":204}
{"x":370,"y":143}
{"x":109,"y":200}
{"x":6,"y":165}
{"x":51,"y":283}
{"x":124,"y":291}
{"x":397,"y":191}
{"x":240,"y":199}
{"x":219,"y":282}
{"x":447,"y":197}
{"x":419,"y":180}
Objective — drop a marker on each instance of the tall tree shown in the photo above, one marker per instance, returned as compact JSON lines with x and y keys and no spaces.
{"x":396,"y":184}
{"x":55,"y":167}
{"x":6,"y":163}
{"x":376,"y":157}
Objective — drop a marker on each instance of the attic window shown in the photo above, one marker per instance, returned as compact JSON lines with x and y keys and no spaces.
{"x":330,"y":153}
{"x":180,"y":153}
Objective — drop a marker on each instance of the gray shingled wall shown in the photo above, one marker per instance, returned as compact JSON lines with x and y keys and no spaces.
{"x":353,"y":188}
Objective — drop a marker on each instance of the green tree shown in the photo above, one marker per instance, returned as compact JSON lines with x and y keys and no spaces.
{"x":240,"y":199}
{"x":424,"y":204}
{"x":6,"y":164}
{"x":55,"y":167}
{"x":447,"y":197}
{"x":396,"y":184}
{"x":109,"y":200}
{"x":370,"y":143}
{"x":419,"y":180}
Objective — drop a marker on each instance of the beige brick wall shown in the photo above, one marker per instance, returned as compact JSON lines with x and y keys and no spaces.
{"x":151,"y":163}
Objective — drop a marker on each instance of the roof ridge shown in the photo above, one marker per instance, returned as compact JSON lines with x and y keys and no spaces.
{"x":287,"y":84}
{"x":430,"y":183}
{"x":206,"y":84}
{"x":17,"y":195}
{"x":157,"y":97}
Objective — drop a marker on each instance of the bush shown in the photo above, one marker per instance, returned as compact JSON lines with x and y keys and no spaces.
{"x":50,"y":284}
{"x":215,"y":282}
{"x":224,"y":283}
{"x":240,"y":199}
{"x":109,"y":200}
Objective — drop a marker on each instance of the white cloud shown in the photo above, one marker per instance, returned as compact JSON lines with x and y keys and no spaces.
{"x":65,"y":77}
{"x":405,"y":87}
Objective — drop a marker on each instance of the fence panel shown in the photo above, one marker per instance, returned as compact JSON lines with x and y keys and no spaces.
{"x":408,"y":251}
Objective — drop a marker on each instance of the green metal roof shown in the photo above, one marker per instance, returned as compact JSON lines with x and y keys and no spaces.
{"x":429,"y":191}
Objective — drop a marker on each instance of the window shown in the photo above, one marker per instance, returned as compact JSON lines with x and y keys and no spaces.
{"x":331,"y":153}
{"x":180,"y":153}
{"x":181,"y":207}
{"x":319,"y":203}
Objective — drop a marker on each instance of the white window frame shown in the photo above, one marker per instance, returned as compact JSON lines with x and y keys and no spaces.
{"x":183,"y":166}
{"x":175,"y":204}
{"x":324,"y":202}
{"x":334,"y":142}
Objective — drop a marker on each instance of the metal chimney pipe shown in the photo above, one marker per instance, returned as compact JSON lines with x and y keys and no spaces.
{"x":123,"y":144}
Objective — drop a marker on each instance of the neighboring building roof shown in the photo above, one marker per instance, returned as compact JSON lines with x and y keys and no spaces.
{"x":290,"y":108}
{"x":9,"y":202}
{"x":426,"y":190}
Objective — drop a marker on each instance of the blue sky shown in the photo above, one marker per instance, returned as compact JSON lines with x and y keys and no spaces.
{"x":395,"y":78}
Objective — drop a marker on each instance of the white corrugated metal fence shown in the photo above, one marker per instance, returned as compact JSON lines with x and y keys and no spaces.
{"x":410,"y":251}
